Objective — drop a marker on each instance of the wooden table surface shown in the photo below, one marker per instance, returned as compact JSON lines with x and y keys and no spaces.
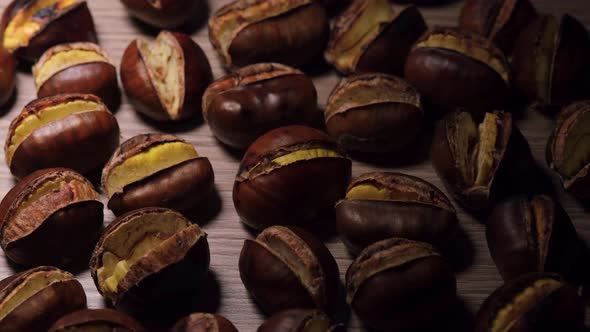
{"x":477,"y":276}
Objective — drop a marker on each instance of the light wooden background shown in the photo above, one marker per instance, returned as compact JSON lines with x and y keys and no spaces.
{"x":477,"y":275}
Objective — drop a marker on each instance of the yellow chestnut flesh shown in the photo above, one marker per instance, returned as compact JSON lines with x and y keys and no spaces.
{"x":66,"y":59}
{"x":306,"y":154}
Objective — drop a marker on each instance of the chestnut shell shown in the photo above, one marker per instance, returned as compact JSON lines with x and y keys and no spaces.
{"x":88,"y":318}
{"x":163,"y":14}
{"x":7,"y":76}
{"x":203,"y":322}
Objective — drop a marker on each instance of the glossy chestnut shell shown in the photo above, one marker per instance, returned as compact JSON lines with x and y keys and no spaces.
{"x":163,"y":14}
{"x":296,"y":320}
{"x":104,"y":320}
{"x":203,"y":322}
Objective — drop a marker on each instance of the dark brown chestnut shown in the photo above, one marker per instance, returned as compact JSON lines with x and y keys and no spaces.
{"x":501,"y":21}
{"x":452,"y":68}
{"x":381,"y":205}
{"x":7,"y":76}
{"x":370,"y":36}
{"x":77,"y":68}
{"x":374,"y":113}
{"x":203,"y":322}
{"x":163,"y":14}
{"x":290,"y":175}
{"x":29,"y":27}
{"x":151,"y":260}
{"x":92,"y":320}
{"x":297,"y":320}
{"x":51,"y":217}
{"x":76,"y":131}
{"x":399,"y":284}
{"x":288,"y":268}
{"x":156,"y":170}
{"x":165,"y":79}
{"x":292,"y":32}
{"x":537,"y":302}
{"x":568,"y":149}
{"x":247,"y":103}
{"x":34,"y":299}
{"x":482,"y":162}
{"x":533,"y":235}
{"x":550,"y":62}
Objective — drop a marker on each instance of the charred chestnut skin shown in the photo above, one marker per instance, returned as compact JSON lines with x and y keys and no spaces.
{"x":255,"y":99}
{"x":202,"y":322}
{"x":275,"y":198}
{"x":39,"y":311}
{"x":533,"y":234}
{"x":294,"y":38}
{"x":562,"y":309}
{"x":163,"y":14}
{"x":67,"y":236}
{"x":74,"y":25}
{"x":362,"y":222}
{"x":292,"y":320}
{"x":280,"y":288}
{"x":397,"y":273}
{"x":7,"y":76}
{"x":499,"y":20}
{"x":115,"y":320}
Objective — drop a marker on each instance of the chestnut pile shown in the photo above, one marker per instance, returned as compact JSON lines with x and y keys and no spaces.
{"x":403,"y":83}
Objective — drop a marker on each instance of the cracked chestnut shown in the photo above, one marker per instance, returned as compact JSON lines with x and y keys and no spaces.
{"x":501,"y":21}
{"x":7,"y":76}
{"x":253,"y":100}
{"x":286,"y":268}
{"x":407,"y":276}
{"x":156,"y":170}
{"x":163,"y":14}
{"x":550,"y":62}
{"x":454,"y":69}
{"x":165,"y":79}
{"x":292,"y":32}
{"x":568,"y":149}
{"x":91,"y":320}
{"x":290,"y":176}
{"x":533,"y":235}
{"x":51,"y":217}
{"x":77,"y":68}
{"x":482,"y":162}
{"x":34,"y":299}
{"x":536,"y":302}
{"x":370,"y":36}
{"x":76,"y":131}
{"x":381,"y":205}
{"x":150,"y":260}
{"x":29,"y":27}
{"x":203,"y":322}
{"x":297,"y":320}
{"x":374,"y":113}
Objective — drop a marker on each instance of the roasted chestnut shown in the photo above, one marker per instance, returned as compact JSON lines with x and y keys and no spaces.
{"x":297,"y":320}
{"x":452,"y":68}
{"x":163,"y":14}
{"x":249,"y":102}
{"x":290,"y":175}
{"x":29,"y":27}
{"x":370,"y":36}
{"x":288,"y":268}
{"x":76,"y":131}
{"x":7,"y":76}
{"x":51,"y":217}
{"x":501,"y":21}
{"x":399,"y":284}
{"x":103,"y":320}
{"x":34,"y":299}
{"x":539,"y":302}
{"x":381,"y":205}
{"x":165,"y":79}
{"x":568,"y":149}
{"x":481,"y":163}
{"x":533,"y":235}
{"x":77,"y":68}
{"x":156,"y":170}
{"x":150,"y":260}
{"x":292,"y":32}
{"x":550,"y":62}
{"x":374,"y":113}
{"x":202,"y":322}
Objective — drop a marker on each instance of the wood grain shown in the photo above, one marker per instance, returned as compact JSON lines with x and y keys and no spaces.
{"x":477,"y":275}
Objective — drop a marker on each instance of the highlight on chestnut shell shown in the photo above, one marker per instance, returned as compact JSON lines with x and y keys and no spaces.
{"x":88,"y":320}
{"x":164,"y":14}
